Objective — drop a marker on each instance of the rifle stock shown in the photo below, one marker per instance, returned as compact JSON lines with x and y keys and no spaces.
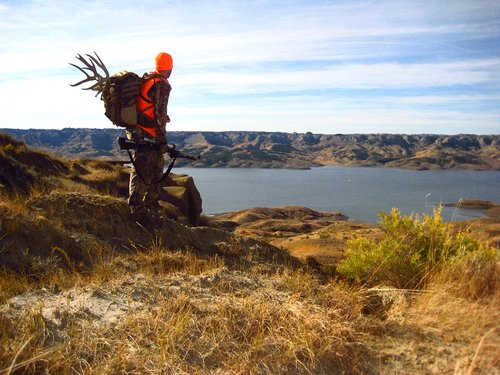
{"x":127,"y":144}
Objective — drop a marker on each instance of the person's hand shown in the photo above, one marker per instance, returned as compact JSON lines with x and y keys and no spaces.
{"x":164,"y":148}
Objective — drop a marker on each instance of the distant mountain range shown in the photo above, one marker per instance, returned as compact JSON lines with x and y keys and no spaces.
{"x":287,"y":150}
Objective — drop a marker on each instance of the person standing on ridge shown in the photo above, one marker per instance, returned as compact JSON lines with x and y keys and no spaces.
{"x":151,"y":127}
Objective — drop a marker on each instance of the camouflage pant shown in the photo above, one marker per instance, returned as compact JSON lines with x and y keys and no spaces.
{"x":144,"y":182}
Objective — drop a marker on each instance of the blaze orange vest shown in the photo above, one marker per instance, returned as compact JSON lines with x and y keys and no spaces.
{"x":145,"y":105}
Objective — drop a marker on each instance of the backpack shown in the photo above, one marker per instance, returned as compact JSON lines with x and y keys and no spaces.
{"x":120,"y":94}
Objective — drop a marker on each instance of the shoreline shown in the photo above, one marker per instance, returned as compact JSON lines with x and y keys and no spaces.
{"x":188,"y":166}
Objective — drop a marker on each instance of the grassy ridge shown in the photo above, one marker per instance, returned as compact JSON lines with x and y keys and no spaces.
{"x":25,"y":170}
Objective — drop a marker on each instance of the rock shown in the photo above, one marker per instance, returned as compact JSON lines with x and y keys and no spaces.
{"x":180,"y":191}
{"x":380,"y":300}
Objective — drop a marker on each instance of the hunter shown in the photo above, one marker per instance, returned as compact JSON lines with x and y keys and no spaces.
{"x":151,"y":126}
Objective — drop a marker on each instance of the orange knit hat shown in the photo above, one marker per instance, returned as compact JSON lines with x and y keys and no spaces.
{"x":164,"y":61}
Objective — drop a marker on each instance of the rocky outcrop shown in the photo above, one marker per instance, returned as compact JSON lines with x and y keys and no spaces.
{"x":289,"y":150}
{"x":318,"y":238}
{"x":283,"y":221}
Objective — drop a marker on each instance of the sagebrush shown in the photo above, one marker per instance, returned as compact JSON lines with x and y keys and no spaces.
{"x":412,"y":250}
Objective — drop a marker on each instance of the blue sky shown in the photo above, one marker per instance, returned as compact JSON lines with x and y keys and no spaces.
{"x":291,"y":66}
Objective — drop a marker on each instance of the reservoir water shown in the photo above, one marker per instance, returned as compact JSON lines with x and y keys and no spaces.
{"x":357,"y":192}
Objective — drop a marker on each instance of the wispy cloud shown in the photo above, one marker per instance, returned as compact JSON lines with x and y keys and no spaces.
{"x":344,"y":66}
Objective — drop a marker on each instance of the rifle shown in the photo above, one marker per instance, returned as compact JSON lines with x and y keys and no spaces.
{"x":127,"y":144}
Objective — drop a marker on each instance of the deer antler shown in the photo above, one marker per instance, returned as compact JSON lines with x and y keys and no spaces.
{"x":90,"y":66}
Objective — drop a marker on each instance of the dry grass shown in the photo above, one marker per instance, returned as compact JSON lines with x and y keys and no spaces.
{"x":196,"y":316}
{"x":440,"y":333}
{"x":12,"y":284}
{"x":473,"y":323}
{"x":238,"y":335}
{"x":472,"y":275}
{"x":13,"y":202}
{"x":106,"y":266}
{"x":104,"y":177}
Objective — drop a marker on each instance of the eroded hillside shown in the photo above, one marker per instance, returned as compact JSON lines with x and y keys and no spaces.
{"x":289,"y":150}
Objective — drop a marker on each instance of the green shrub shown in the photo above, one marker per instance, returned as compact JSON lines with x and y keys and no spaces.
{"x":411,"y":250}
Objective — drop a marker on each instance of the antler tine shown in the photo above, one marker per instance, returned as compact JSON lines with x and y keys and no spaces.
{"x":97,"y":61}
{"x":88,"y":79}
{"x":90,"y":66}
{"x":83,"y":69}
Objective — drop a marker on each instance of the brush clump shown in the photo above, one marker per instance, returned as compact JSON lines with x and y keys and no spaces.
{"x":413,"y":250}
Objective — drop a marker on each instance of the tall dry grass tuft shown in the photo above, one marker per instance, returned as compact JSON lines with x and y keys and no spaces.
{"x":12,"y":284}
{"x":14,"y":202}
{"x":474,"y":275}
{"x":162,"y":261}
